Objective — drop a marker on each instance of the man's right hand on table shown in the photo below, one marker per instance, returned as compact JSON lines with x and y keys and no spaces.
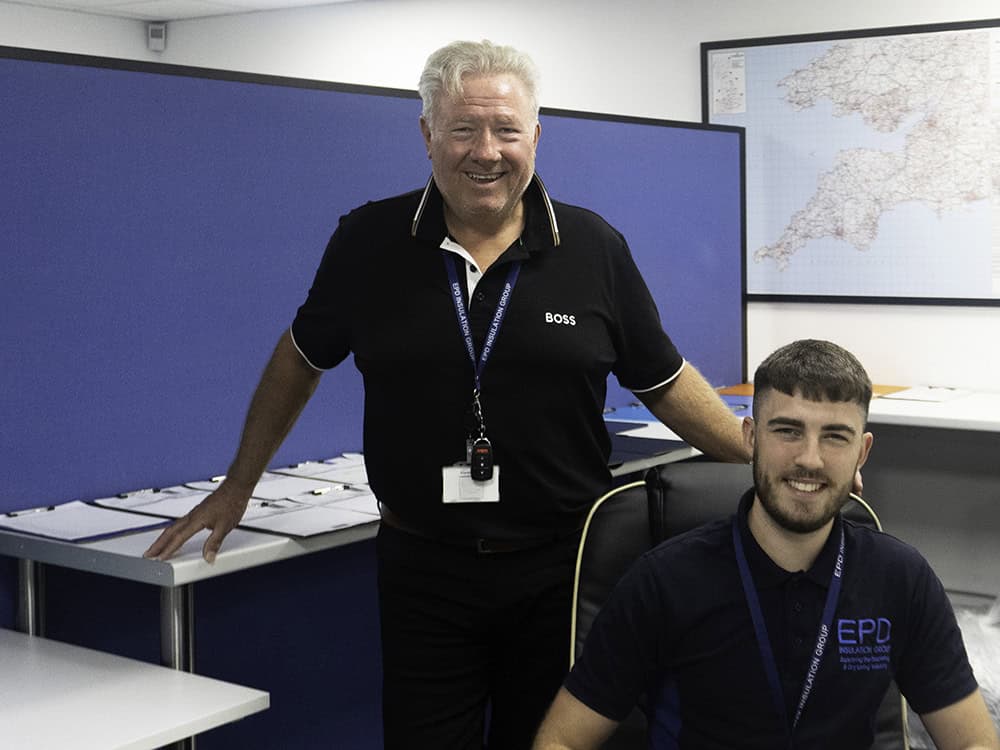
{"x":221,"y":512}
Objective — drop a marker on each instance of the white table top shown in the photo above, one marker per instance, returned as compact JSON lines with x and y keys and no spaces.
{"x":970,"y":411}
{"x":121,"y":556}
{"x":55,"y":696}
{"x":956,"y":409}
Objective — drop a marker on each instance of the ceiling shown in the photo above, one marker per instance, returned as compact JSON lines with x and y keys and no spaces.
{"x":171,"y":10}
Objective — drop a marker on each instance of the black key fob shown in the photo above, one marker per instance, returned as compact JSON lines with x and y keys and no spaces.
{"x":481,"y":461}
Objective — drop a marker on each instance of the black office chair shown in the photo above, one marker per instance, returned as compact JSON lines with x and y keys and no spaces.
{"x":617,"y":531}
{"x":619,"y":528}
{"x":635,"y":517}
{"x":672,"y":499}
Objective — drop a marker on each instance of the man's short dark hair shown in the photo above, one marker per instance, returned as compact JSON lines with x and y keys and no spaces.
{"x":816,"y":370}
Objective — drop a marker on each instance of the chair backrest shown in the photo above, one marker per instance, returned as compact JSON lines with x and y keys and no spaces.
{"x":688,"y":494}
{"x":617,"y":531}
{"x":636,"y":517}
{"x":675,"y":498}
{"x":693,"y":493}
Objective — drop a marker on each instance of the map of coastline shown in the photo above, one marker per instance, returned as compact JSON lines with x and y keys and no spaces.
{"x":912,"y":175}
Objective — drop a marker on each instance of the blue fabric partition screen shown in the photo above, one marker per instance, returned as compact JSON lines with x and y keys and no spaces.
{"x":160,"y":224}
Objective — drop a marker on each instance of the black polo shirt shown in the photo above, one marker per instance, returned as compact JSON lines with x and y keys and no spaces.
{"x":678,"y":628}
{"x":579,"y":311}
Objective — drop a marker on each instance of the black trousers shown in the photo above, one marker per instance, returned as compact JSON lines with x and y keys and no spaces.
{"x":466,"y":635}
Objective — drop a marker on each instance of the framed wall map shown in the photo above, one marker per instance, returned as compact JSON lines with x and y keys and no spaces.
{"x":872,"y":161}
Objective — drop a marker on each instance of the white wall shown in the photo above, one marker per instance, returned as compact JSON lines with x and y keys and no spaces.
{"x":40,"y":28}
{"x":634,"y":57}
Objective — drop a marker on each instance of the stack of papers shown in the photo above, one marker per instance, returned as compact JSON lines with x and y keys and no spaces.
{"x":172,"y":502}
{"x":347,"y":469}
{"x":311,"y":498}
{"x":76,"y":521}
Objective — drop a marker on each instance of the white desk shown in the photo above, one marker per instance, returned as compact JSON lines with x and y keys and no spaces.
{"x":973,"y":411}
{"x":55,"y":696}
{"x":969,"y":410}
{"x":121,"y":557}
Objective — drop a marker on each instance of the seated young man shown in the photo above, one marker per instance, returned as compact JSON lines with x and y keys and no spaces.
{"x":784,"y":625}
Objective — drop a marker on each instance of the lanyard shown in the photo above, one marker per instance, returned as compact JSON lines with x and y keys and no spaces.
{"x":764,"y":643}
{"x":463,"y":318}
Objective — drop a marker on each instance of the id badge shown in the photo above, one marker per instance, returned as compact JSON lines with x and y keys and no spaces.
{"x":459,"y":486}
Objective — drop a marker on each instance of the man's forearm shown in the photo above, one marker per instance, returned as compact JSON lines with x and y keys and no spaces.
{"x":571,"y":725}
{"x":285,"y":388}
{"x":691,"y":408}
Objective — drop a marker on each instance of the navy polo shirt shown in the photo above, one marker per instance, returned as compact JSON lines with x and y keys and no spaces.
{"x":677,"y":629}
{"x":579,"y":312}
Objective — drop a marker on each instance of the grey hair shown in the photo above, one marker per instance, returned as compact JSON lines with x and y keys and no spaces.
{"x":445,"y":69}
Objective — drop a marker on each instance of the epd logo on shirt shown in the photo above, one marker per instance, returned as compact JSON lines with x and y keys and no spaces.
{"x":864,"y":644}
{"x":561,"y":318}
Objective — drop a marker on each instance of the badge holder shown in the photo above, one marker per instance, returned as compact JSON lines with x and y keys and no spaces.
{"x":477,"y":479}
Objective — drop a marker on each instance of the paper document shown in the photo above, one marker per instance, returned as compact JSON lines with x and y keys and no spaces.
{"x":294,"y":519}
{"x":348,"y":469}
{"x":930,"y":393}
{"x":363,"y":502}
{"x":342,"y":496}
{"x":313,"y":497}
{"x":258,"y":509}
{"x":208,"y":485}
{"x":76,"y":521}
{"x":653,"y":431}
{"x":277,"y":486}
{"x":630,"y":413}
{"x":273,"y":486}
{"x":172,"y":502}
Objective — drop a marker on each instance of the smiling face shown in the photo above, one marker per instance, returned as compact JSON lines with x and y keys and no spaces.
{"x":482,"y":150}
{"x":805,"y":455}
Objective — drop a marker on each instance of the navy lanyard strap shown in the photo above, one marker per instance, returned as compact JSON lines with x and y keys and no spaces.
{"x":764,"y":642}
{"x":479,"y":364}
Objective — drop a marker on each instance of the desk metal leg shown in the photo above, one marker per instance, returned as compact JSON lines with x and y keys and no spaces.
{"x":31,"y":606}
{"x":177,"y":636}
{"x":177,"y":627}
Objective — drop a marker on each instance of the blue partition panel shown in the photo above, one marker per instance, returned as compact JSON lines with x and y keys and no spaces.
{"x":675,"y":191}
{"x":161,"y":224}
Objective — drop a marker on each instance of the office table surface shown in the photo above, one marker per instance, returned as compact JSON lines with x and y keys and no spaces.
{"x":967,"y":411}
{"x":964,"y":410}
{"x":55,"y":696}
{"x":121,"y":556}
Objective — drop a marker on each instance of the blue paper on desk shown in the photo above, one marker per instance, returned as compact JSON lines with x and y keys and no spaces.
{"x":637,"y":434}
{"x":630,"y":413}
{"x":740,"y":405}
{"x":625,"y":447}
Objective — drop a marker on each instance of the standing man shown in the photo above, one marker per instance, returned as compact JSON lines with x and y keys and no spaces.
{"x":782,"y":626}
{"x":485,"y":319}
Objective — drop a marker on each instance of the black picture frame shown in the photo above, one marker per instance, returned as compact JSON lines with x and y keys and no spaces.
{"x":907,"y":283}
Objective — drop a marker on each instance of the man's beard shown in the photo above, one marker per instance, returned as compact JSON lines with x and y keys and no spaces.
{"x":768,"y":496}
